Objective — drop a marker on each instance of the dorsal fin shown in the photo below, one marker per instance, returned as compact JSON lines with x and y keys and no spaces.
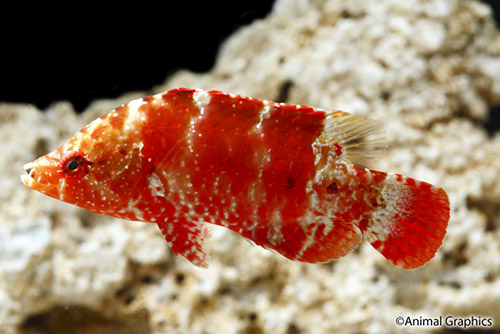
{"x":360,"y":140}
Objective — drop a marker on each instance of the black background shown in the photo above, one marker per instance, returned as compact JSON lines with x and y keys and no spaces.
{"x":80,"y":53}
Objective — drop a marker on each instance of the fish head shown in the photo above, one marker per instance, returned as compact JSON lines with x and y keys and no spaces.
{"x":96,"y":169}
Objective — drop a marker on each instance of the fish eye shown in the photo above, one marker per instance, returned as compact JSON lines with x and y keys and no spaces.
{"x":74,"y":164}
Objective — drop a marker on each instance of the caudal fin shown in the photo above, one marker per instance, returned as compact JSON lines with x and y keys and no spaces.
{"x":409,"y":223}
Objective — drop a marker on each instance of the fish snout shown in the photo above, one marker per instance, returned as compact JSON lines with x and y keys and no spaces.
{"x":40,"y":177}
{"x":28,"y":180}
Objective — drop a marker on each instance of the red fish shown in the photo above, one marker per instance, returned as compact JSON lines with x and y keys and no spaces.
{"x":291,"y":178}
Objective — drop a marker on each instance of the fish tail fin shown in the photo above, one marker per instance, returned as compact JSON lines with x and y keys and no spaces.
{"x":409,"y":222}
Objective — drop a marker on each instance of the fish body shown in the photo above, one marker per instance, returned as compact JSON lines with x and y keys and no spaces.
{"x":291,"y":178}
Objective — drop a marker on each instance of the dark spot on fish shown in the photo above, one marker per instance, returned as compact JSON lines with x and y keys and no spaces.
{"x":332,"y":188}
{"x":122,"y":151}
{"x":364,"y":224}
{"x":290,"y":183}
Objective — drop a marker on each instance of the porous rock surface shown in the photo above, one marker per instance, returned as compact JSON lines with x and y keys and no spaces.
{"x":429,"y":70}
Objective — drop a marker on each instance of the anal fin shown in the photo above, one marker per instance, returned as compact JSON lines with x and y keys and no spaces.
{"x":185,"y":238}
{"x":321,"y":240}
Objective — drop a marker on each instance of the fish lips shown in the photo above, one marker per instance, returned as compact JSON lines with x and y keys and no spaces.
{"x":29,"y":180}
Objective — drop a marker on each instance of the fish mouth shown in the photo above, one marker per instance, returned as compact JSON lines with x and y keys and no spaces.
{"x":31,"y":181}
{"x":28,"y":179}
{"x":28,"y":167}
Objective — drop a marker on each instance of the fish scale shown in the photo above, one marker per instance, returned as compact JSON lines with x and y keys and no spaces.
{"x":291,"y":178}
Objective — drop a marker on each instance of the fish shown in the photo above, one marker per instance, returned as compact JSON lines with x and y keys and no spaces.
{"x":293,"y":179}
